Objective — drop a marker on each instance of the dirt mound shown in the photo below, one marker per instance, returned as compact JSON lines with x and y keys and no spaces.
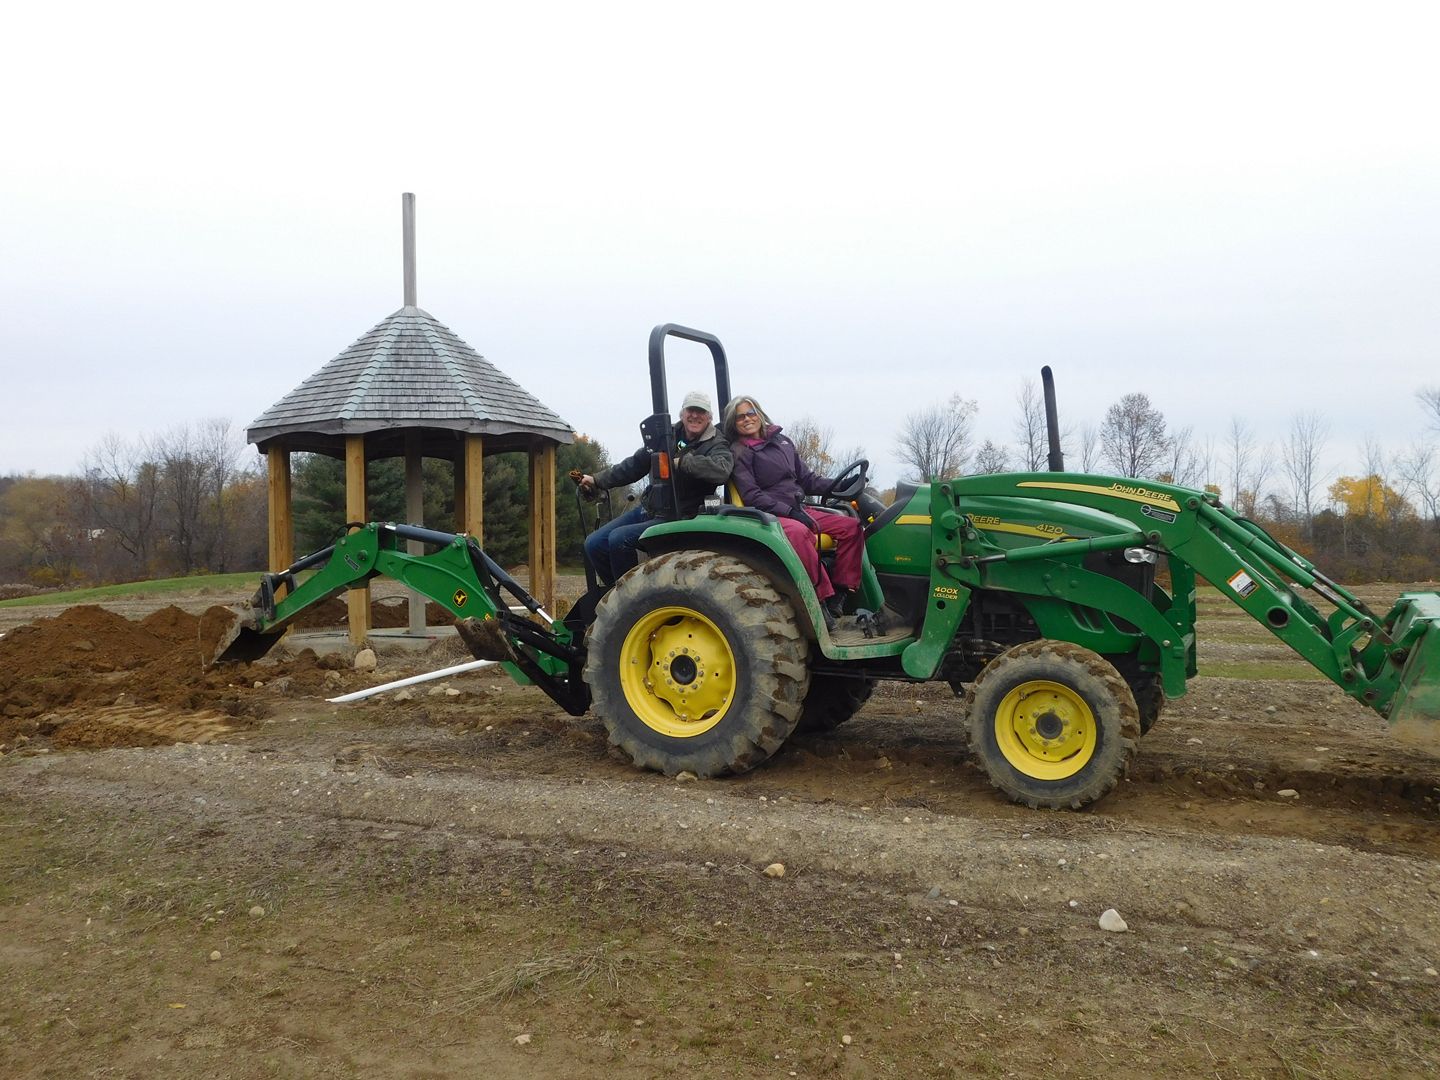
{"x":85,"y":639}
{"x":171,"y":623}
{"x":90,"y":677}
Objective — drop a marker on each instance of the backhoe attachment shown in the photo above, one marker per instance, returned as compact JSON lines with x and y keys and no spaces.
{"x":458,"y":575}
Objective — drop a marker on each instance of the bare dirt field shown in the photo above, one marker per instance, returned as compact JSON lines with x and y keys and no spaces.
{"x":224,"y":875}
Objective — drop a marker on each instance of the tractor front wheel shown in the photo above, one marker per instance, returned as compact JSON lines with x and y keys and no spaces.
{"x":697,"y":664}
{"x":1052,"y":724}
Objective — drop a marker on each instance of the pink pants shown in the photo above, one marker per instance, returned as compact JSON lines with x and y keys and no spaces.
{"x":849,"y":544}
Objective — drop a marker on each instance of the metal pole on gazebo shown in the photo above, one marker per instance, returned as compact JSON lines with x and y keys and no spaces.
{"x":414,"y":472}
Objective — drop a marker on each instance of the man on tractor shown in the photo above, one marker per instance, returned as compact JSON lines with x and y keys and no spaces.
{"x":702,"y":463}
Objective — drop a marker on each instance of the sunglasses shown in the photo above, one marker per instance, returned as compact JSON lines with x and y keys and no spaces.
{"x":751,"y":415}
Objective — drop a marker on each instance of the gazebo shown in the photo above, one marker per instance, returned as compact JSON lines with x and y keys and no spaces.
{"x":412,"y":388}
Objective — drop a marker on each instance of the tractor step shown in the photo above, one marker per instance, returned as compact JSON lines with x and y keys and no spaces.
{"x":887,"y":626}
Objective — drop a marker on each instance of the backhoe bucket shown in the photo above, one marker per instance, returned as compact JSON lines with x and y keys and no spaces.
{"x":1415,"y":709}
{"x":486,"y":640}
{"x":230,"y":635}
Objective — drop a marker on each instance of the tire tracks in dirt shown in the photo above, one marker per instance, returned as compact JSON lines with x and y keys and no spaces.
{"x":1283,"y":903}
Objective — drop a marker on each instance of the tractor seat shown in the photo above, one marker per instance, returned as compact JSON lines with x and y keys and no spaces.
{"x":732,"y":496}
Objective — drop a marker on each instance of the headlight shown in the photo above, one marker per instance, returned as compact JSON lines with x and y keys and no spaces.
{"x":1140,"y":555}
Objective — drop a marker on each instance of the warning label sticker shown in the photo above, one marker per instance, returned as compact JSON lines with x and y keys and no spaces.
{"x":1242,"y":583}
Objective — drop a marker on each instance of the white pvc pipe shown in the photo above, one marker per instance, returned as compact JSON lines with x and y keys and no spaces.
{"x":456,"y":669}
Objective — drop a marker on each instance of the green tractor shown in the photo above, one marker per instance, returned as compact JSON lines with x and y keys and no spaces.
{"x":1035,"y":595}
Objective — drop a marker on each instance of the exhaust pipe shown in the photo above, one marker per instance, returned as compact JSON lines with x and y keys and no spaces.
{"x":1052,"y":420}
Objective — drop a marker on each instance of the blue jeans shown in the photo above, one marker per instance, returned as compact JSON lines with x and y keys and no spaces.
{"x":610,"y":549}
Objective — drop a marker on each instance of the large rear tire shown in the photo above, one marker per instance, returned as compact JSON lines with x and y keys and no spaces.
{"x":696,"y":663}
{"x":831,"y":700}
{"x":1053,"y":724}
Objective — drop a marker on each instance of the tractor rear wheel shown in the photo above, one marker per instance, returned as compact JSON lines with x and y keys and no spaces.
{"x":1053,"y":724}
{"x":832,"y":700}
{"x":696,"y":663}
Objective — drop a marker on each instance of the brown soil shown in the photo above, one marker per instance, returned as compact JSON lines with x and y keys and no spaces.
{"x":446,"y":872}
{"x":55,"y":672}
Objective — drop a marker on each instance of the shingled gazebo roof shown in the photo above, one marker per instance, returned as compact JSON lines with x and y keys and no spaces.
{"x":410,"y":371}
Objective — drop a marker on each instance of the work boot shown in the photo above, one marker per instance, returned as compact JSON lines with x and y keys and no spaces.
{"x":835,"y":603}
{"x":831,"y":622}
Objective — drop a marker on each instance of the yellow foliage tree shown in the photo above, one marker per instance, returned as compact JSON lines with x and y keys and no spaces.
{"x":1369,"y":497}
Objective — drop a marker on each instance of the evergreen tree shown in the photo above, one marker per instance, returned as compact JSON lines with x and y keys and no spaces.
{"x":320,"y":499}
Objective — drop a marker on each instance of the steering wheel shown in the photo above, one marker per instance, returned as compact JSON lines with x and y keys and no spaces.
{"x":850,"y":482}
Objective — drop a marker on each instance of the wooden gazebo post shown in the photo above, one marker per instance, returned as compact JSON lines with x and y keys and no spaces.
{"x":282,"y":526}
{"x":470,"y":488}
{"x":542,"y":525}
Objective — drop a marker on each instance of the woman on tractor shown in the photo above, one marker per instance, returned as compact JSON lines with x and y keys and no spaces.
{"x":770,"y":476}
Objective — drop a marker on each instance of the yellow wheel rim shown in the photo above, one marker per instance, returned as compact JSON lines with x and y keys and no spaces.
{"x":678,"y":672}
{"x":1045,"y":730}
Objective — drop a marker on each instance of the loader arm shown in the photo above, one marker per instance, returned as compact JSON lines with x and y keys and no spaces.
{"x":458,"y":575}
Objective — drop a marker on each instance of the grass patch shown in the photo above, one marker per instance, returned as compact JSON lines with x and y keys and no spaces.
{"x":569,"y":971}
{"x":219,"y":582}
{"x":1238,"y":634}
{"x":1262,"y":671}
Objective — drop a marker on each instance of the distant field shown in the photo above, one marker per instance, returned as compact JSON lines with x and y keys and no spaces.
{"x":218,"y":582}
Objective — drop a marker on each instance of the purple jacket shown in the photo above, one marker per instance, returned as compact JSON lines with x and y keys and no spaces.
{"x":771,"y":476}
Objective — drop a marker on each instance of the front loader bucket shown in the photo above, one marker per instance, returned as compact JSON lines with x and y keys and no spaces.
{"x":1415,"y":709}
{"x":230,"y":635}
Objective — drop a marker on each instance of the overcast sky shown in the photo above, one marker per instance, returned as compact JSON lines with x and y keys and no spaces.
{"x":1234,"y":208}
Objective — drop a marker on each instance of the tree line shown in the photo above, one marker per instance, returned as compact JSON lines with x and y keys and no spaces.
{"x":193,"y":499}
{"x":180,"y":502}
{"x":1379,"y":522}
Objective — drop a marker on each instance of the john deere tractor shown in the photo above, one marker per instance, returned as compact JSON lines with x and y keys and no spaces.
{"x":1035,"y":595}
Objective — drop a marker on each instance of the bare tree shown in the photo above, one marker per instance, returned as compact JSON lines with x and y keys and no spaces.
{"x":1300,"y":460}
{"x":219,"y":447}
{"x":1089,"y":448}
{"x":166,"y":504}
{"x":1430,"y":399}
{"x":1249,"y":466}
{"x":1030,"y":428}
{"x":1205,"y":463}
{"x":1182,"y":463}
{"x":117,"y":497}
{"x":816,"y":446}
{"x":1240,"y":447}
{"x":992,"y":459}
{"x":936,"y":441}
{"x":1133,"y":436}
{"x":1420,"y":475}
{"x":184,"y":484}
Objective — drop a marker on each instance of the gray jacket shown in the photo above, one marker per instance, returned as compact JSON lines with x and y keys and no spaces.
{"x":700,"y":467}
